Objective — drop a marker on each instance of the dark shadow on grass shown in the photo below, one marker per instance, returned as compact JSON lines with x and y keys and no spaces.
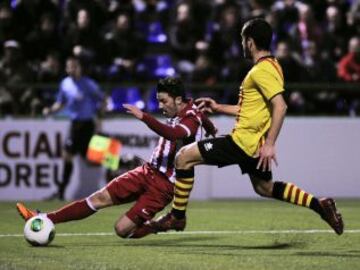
{"x":168,"y":242}
{"x":182,"y":243}
{"x":201,"y":243}
{"x":327,"y":254}
{"x":151,"y":243}
{"x":49,"y":246}
{"x":236,"y":250}
{"x":274,"y":246}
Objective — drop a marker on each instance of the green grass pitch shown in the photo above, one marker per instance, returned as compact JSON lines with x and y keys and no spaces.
{"x":238,"y":234}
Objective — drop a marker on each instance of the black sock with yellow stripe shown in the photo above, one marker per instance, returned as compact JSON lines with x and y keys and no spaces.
{"x":183,"y":186}
{"x":288,"y":192}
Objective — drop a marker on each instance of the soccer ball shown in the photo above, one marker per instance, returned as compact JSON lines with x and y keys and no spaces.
{"x":39,"y":230}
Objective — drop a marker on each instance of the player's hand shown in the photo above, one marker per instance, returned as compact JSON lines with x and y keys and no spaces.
{"x":46,"y":111}
{"x":267,"y":154}
{"x":206,"y":104}
{"x":135,"y":111}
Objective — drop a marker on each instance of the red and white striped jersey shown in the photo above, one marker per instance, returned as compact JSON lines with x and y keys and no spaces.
{"x":184,"y":128}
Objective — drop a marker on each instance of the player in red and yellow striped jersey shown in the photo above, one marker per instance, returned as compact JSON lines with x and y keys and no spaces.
{"x":259,"y":116}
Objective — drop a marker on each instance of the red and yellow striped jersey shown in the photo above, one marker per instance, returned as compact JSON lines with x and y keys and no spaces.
{"x":263,"y":82}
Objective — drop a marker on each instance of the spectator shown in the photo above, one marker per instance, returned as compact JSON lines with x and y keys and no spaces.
{"x":97,"y":10}
{"x":82,"y":39}
{"x":204,"y":71}
{"x":319,"y":69}
{"x":8,"y":28}
{"x":16,"y":97}
{"x":287,"y":14}
{"x":353,"y":19}
{"x":349,"y":65}
{"x":307,"y":28}
{"x":49,"y":71}
{"x":123,"y":47}
{"x":335,"y":34}
{"x":293,"y":72}
{"x":182,"y":38}
{"x":28,"y":14}
{"x":81,"y":95}
{"x":201,"y":10}
{"x":43,"y":39}
{"x":225,"y":47}
{"x":259,"y":9}
{"x":116,"y":7}
{"x":290,"y":63}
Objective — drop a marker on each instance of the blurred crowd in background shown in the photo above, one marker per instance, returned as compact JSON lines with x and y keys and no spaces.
{"x":127,"y":42}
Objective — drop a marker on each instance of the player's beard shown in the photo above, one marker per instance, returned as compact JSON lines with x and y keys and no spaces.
{"x":247,"y":53}
{"x":170,"y":111}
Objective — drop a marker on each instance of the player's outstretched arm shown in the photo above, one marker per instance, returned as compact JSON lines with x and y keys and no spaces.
{"x":169,"y":133}
{"x":135,"y":111}
{"x":210,"y":128}
{"x":57,"y":106}
{"x":206,"y":104}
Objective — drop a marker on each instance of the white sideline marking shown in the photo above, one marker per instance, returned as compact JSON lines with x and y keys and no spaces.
{"x":204,"y":232}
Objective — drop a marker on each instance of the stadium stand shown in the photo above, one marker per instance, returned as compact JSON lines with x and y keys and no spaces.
{"x":134,"y":42}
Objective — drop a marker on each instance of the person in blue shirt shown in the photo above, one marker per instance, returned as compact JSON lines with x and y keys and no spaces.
{"x":83,"y":98}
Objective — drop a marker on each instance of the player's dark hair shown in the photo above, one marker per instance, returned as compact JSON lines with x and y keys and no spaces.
{"x":77,"y":59}
{"x":83,"y":62}
{"x":260,"y":31}
{"x":173,"y":86}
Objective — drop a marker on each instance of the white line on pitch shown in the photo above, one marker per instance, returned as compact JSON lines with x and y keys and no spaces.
{"x":203,"y":232}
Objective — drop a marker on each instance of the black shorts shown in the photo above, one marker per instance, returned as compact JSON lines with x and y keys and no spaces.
{"x":223,"y":151}
{"x":79,"y":137}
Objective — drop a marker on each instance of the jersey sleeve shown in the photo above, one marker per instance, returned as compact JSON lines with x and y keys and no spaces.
{"x":208,"y":125}
{"x":190,"y":123}
{"x":166,"y":131}
{"x":61,"y":97}
{"x":269,"y":82}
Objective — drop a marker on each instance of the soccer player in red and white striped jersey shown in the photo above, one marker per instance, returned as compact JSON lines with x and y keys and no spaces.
{"x":151,"y":185}
{"x":178,"y":131}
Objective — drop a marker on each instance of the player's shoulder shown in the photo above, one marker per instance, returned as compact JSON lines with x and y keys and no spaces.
{"x":192,"y":112}
{"x":67,"y":81}
{"x":192,"y":109}
{"x":267,"y":66}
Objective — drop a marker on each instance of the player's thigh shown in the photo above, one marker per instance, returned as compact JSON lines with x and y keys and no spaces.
{"x":220,"y":151}
{"x":157,"y":196}
{"x":128,"y":186}
{"x":188,"y":155}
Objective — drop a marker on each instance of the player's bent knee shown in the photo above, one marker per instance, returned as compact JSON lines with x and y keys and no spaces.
{"x":121,"y":231}
{"x":101,"y":199}
{"x":260,"y":191}
{"x":181,"y":159}
{"x":263,"y":190}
